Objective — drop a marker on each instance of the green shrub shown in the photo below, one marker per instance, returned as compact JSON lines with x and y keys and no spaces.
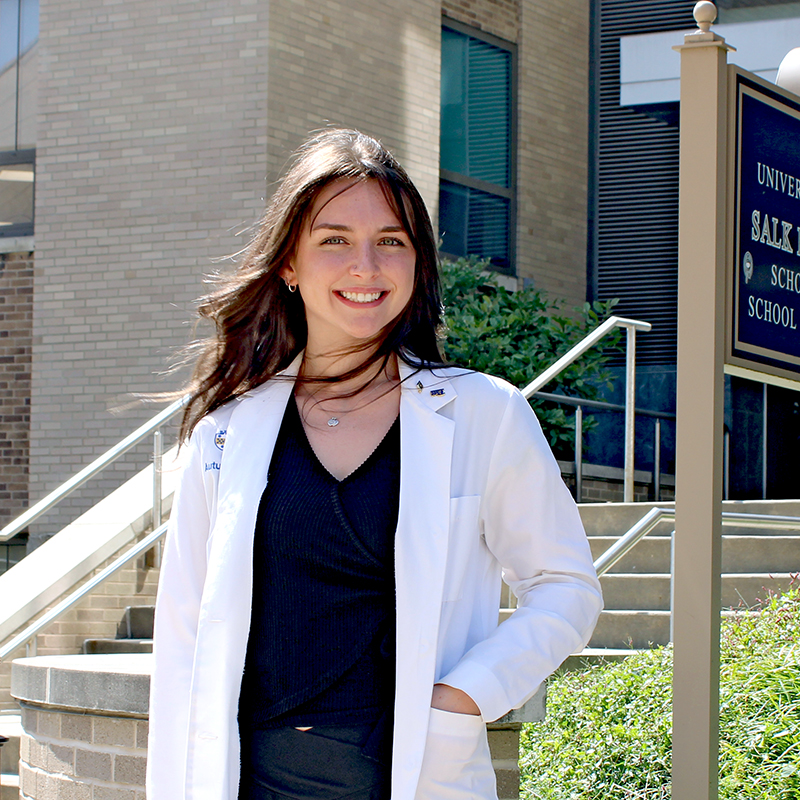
{"x":607,"y":735}
{"x":517,"y":335}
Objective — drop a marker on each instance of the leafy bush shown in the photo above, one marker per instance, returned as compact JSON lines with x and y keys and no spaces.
{"x":517,"y":335}
{"x":607,"y":734}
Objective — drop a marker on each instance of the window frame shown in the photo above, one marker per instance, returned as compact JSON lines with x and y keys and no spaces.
{"x":10,"y":158}
{"x":509,"y":193}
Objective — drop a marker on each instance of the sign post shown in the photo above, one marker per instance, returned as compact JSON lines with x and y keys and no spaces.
{"x":698,"y":462}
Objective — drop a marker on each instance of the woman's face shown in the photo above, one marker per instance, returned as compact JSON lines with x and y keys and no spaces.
{"x":353,"y":265}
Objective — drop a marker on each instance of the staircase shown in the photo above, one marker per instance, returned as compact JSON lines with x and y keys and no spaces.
{"x":134,"y":634}
{"x":637,"y":588}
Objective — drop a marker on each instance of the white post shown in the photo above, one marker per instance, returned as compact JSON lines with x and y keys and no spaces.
{"x":698,"y":467}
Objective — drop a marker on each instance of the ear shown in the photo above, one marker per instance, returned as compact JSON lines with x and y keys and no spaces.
{"x":287,"y":272}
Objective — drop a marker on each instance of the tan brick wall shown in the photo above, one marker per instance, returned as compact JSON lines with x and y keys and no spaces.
{"x":151,"y":159}
{"x":16,"y":332}
{"x":498,"y":17}
{"x":81,"y":756}
{"x":552,"y":133}
{"x":95,"y":617}
{"x":158,"y":124}
{"x":552,"y":145}
{"x":365,"y":65}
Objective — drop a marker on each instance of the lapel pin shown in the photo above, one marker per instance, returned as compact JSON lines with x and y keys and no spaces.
{"x":437,"y":392}
{"x":419,"y":386}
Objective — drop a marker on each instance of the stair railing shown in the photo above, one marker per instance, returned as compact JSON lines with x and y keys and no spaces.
{"x":599,"y":405}
{"x":656,"y":515}
{"x":27,"y":636}
{"x":97,"y":466}
{"x":630,"y":326}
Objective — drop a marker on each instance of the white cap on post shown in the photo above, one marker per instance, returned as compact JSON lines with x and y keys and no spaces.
{"x":789,"y":71}
{"x":704,"y":14}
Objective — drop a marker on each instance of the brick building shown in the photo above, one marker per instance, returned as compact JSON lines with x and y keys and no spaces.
{"x":156,"y":129}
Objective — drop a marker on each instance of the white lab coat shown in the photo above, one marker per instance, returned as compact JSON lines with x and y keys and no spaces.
{"x":479,"y":492}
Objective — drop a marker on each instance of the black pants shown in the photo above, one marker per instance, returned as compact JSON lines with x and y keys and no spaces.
{"x":324,"y":763}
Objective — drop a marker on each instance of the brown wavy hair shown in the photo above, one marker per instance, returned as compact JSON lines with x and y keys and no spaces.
{"x":260,"y":327}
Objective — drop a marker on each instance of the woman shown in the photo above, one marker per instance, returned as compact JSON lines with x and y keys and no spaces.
{"x":326,"y":624}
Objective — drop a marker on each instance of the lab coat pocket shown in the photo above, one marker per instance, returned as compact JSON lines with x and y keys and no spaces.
{"x":457,"y":764}
{"x":464,"y":537}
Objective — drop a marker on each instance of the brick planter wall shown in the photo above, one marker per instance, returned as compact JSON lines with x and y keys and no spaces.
{"x":85,"y":728}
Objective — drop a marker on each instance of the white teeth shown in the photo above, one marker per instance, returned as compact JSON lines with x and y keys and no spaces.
{"x":361,"y":297}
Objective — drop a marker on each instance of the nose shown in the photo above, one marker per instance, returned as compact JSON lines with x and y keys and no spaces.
{"x":366,"y":262}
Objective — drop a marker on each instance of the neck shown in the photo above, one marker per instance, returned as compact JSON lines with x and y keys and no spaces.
{"x":316,"y":365}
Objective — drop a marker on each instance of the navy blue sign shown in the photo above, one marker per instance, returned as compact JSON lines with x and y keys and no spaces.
{"x":766,"y":298}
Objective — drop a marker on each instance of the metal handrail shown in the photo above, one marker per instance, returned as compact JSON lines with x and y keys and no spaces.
{"x":581,"y":347}
{"x":655,"y":515}
{"x":28,"y":635}
{"x":98,"y":465}
{"x":631,"y":326}
{"x":600,"y":405}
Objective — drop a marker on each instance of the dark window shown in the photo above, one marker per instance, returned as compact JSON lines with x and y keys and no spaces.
{"x":19,"y":36}
{"x":476,"y":190}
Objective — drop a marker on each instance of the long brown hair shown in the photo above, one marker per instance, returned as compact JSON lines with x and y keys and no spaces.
{"x":260,"y":326}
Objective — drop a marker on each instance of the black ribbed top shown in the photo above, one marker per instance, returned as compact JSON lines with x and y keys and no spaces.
{"x":322,"y":630}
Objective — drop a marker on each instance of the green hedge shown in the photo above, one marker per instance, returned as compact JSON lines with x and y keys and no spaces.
{"x":517,"y":335}
{"x":607,"y":735}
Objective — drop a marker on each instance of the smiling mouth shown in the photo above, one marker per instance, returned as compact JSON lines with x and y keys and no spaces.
{"x":361,"y":297}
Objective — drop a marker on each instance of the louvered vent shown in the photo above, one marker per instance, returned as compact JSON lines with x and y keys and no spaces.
{"x":635,"y":186}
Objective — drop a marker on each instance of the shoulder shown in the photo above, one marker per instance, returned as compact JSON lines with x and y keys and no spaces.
{"x":477,"y":386}
{"x":211,"y":429}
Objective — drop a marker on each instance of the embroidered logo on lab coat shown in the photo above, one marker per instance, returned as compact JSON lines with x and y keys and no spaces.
{"x":219,"y":438}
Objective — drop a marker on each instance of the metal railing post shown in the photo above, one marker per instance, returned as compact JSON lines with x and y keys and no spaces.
{"x":578,"y":454}
{"x":726,"y":465}
{"x":630,"y":412}
{"x":657,"y":462}
{"x":153,"y":557}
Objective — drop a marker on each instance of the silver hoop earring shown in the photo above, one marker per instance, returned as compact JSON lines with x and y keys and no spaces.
{"x":292,"y":287}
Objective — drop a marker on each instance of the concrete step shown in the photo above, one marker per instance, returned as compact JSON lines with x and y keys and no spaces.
{"x":751,"y":552}
{"x":613,"y":519}
{"x":596,"y":655}
{"x":652,"y":592}
{"x":136,"y":623}
{"x":635,"y":629}
{"x":97,"y":646}
{"x":9,"y":787}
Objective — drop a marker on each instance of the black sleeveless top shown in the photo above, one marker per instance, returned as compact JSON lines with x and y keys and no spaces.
{"x":322,"y":630}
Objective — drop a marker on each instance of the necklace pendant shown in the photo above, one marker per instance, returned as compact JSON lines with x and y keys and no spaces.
{"x":333,"y":422}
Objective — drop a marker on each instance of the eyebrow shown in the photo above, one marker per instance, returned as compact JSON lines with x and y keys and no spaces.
{"x":333,"y":226}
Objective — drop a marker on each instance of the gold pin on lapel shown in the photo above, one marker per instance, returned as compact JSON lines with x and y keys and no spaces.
{"x":419,"y":386}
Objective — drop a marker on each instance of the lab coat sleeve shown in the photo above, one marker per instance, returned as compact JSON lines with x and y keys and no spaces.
{"x":531,"y":525}
{"x":177,"y":610}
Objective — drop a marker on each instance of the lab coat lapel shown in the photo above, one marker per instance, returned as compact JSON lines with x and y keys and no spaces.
{"x":224,"y":619}
{"x":249,"y":442}
{"x":426,"y":445}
